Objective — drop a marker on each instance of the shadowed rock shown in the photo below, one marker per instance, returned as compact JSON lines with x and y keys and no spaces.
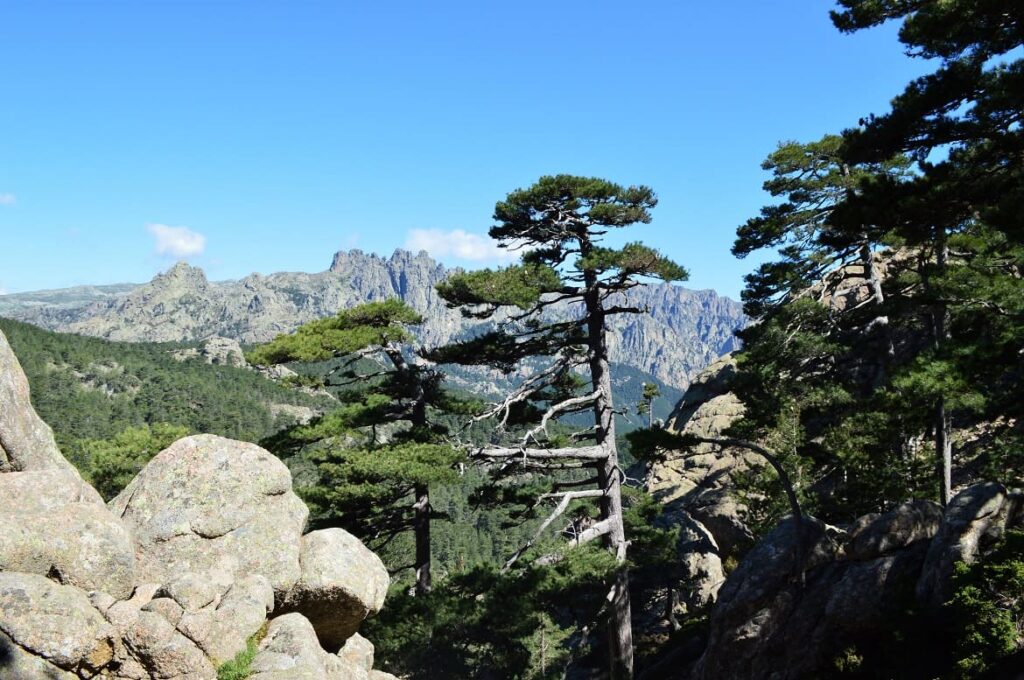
{"x":342,"y":583}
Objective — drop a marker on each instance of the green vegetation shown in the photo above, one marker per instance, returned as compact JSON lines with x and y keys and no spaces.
{"x":111,"y":463}
{"x":374,"y":484}
{"x":240,"y":667}
{"x":987,"y":609}
{"x":106,"y":398}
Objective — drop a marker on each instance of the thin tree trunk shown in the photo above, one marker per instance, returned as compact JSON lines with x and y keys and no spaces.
{"x":421,"y":529}
{"x":943,"y":443}
{"x":670,"y":607}
{"x":620,"y":625}
{"x":943,"y":452}
{"x":421,"y":504}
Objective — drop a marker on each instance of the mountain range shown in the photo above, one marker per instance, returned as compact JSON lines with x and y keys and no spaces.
{"x":682,"y":332}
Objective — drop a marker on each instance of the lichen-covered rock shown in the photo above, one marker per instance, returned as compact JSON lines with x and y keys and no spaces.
{"x":342,"y":583}
{"x":213,"y":611}
{"x":80,"y":544}
{"x":976,"y":518}
{"x":17,"y":663}
{"x":357,"y":652}
{"x":163,"y":651}
{"x":290,"y":651}
{"x":26,"y":442}
{"x":42,"y":491}
{"x":206,"y":498}
{"x":55,"y":623}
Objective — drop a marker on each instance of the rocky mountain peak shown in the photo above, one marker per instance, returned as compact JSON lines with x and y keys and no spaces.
{"x":181,"y":275}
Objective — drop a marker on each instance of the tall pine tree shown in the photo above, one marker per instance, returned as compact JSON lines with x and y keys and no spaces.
{"x":379,"y":487}
{"x":559,"y":223}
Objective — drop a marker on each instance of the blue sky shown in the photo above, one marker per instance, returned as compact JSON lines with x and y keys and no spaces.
{"x":252,"y":136}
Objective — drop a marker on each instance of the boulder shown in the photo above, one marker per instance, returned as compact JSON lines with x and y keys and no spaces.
{"x":158,"y":647}
{"x":205,"y":499}
{"x":357,"y":652}
{"x":26,"y":442}
{"x":976,"y":518}
{"x":17,"y":663}
{"x":43,"y":491}
{"x":152,"y":647}
{"x":342,"y":582}
{"x":290,"y":651}
{"x":80,"y":544}
{"x":55,"y":623}
{"x":699,"y":491}
{"x":213,"y":611}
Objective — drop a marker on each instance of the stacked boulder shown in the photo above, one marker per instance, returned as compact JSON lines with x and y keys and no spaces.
{"x":200,"y":555}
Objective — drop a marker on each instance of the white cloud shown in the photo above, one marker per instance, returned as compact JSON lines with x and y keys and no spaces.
{"x":8,"y":199}
{"x":457,"y":243}
{"x":177,"y":241}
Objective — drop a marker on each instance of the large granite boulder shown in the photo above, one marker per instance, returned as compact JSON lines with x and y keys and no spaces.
{"x":80,"y":544}
{"x":206,"y":498}
{"x":342,"y":583}
{"x":55,"y":524}
{"x":55,"y":624}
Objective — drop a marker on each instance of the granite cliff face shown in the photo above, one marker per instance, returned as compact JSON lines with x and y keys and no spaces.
{"x":684,"y":330}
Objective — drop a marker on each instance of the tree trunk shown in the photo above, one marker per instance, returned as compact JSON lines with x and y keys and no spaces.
{"x":943,"y":452}
{"x":943,"y":443}
{"x":620,"y":625}
{"x":421,"y":504}
{"x":670,"y":607}
{"x":421,"y":529}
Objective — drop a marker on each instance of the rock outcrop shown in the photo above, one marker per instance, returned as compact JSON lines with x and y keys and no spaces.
{"x":186,"y":566}
{"x":698,"y":488}
{"x":769,"y":622}
{"x":682,"y":332}
{"x":217,"y":351}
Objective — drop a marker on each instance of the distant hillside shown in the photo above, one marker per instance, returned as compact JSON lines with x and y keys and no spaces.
{"x":683,"y":332}
{"x":88,"y":388}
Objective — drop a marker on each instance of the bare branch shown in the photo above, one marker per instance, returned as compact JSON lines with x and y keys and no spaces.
{"x":560,"y":407}
{"x":562,"y":506}
{"x":581,"y":453}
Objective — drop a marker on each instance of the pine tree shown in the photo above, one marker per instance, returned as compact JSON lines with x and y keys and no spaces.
{"x":646,"y":404}
{"x":961,"y":212}
{"x":559,"y":223}
{"x":366,"y":486}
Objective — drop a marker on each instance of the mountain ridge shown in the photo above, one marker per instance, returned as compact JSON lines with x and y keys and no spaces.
{"x":683,"y":331}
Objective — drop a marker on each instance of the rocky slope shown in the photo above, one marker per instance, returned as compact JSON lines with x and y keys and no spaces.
{"x":684,"y":331}
{"x":202,"y":552}
{"x":856,"y":581}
